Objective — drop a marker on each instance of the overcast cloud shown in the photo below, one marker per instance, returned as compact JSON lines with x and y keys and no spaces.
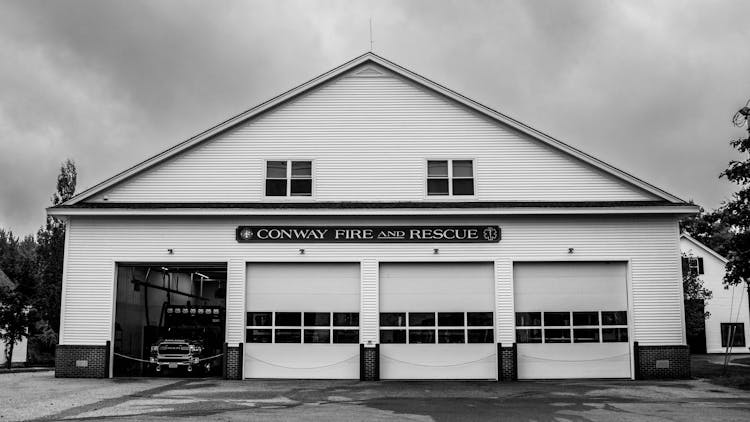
{"x":647,"y":86}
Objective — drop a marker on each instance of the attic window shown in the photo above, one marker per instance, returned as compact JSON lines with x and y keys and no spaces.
{"x":450,"y":177}
{"x":288,"y":178}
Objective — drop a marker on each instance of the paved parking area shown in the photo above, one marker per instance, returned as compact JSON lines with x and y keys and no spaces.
{"x":40,"y":396}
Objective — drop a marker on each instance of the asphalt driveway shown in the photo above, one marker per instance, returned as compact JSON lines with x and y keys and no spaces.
{"x":40,"y":396}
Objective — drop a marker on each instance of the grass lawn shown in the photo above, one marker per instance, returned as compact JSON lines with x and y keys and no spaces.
{"x":711,"y":368}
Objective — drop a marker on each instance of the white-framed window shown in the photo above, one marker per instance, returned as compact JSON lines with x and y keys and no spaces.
{"x":450,"y":177}
{"x":288,"y":178}
{"x":302,"y":327}
{"x":575,"y":327}
{"x":436,"y":327}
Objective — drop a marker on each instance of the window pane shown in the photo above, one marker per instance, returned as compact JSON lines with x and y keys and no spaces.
{"x":556,"y":335}
{"x":533,"y":335}
{"x":421,"y":319}
{"x":585,"y":318}
{"x":392,"y":319}
{"x":302,"y":187}
{"x":276,"y":187}
{"x":437,"y":169}
{"x":346,"y":319}
{"x":586,"y":335}
{"x":528,"y":319}
{"x":463,"y":186}
{"x":317,"y":319}
{"x":437,"y":186}
{"x":483,"y":335}
{"x":554,"y":319}
{"x":276,"y":170}
{"x":479,"y":319}
{"x":287,"y":335}
{"x":451,"y":319}
{"x":421,"y":336}
{"x":259,"y":318}
{"x":258,"y":336}
{"x":288,"y":319}
{"x":451,"y":336}
{"x":614,"y":335}
{"x":738,"y":337}
{"x":392,"y":336}
{"x":317,"y":336}
{"x":301,"y":169}
{"x":463,"y":168}
{"x":615,"y":318}
{"x":346,"y":336}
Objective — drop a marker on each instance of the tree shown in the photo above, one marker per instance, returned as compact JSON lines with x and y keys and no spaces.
{"x":736,"y":212}
{"x":709,"y":228}
{"x":14,"y":320}
{"x":50,"y":251}
{"x":696,"y":297}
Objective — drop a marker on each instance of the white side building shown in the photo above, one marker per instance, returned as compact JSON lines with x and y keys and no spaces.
{"x":371,"y":224}
{"x":729,"y":306}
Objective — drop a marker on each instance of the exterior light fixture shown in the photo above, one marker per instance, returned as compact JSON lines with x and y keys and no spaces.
{"x":571,"y":250}
{"x":436,"y":251}
{"x":301,"y":251}
{"x":170,"y":251}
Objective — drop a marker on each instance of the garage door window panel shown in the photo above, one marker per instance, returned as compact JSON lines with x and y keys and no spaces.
{"x":421,"y":336}
{"x":288,"y":319}
{"x":393,"y":319}
{"x":529,"y":335}
{"x":393,"y":336}
{"x":346,"y":336}
{"x":317,"y":319}
{"x":346,"y":319}
{"x":451,"y":336}
{"x":614,"y":335}
{"x":421,"y":319}
{"x":286,"y":335}
{"x":614,"y":318}
{"x":260,"y":319}
{"x":451,"y":319}
{"x":259,"y":336}
{"x":486,"y":335}
{"x":317,"y":336}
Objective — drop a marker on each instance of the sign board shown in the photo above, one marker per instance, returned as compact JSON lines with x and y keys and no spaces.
{"x":368,"y":234}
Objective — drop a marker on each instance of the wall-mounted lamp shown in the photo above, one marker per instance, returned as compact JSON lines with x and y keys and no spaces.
{"x":301,"y":251}
{"x":436,"y":251}
{"x":571,"y":250}
{"x":170,"y":251}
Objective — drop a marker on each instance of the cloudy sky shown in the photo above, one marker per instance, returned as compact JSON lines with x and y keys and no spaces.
{"x":647,"y":86}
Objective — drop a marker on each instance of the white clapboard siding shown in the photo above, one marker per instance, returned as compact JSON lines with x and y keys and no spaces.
{"x":650,"y":244}
{"x":370,"y":138}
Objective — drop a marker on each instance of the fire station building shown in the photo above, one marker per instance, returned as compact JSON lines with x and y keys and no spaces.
{"x":373,"y":224}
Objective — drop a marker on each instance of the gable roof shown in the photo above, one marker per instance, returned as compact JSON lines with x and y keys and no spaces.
{"x":691,"y":239}
{"x":352,"y":64}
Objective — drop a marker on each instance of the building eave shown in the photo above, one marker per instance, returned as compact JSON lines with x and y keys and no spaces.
{"x":371,"y":209}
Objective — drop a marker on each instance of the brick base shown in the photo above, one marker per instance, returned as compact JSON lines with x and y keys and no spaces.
{"x":662,"y":362}
{"x":369,"y":363}
{"x":81,"y":361}
{"x":233,"y":362}
{"x":507,"y":365}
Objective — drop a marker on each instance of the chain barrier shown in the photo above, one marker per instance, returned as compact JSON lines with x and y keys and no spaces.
{"x":148,"y":361}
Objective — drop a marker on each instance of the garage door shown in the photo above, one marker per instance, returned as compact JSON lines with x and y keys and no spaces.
{"x":436,"y":321}
{"x":302,"y":321}
{"x":571,"y":320}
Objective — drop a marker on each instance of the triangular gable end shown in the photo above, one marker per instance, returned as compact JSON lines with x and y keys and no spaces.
{"x":370,"y":66}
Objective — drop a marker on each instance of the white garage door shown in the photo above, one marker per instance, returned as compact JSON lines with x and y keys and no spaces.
{"x":571,"y":320}
{"x":436,"y":321}
{"x":302,"y":320}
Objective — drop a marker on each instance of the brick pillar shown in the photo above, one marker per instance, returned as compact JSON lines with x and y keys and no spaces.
{"x":507,"y":366}
{"x":662,"y":362}
{"x":81,"y":361}
{"x":369,"y":363}
{"x":233,"y":358}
